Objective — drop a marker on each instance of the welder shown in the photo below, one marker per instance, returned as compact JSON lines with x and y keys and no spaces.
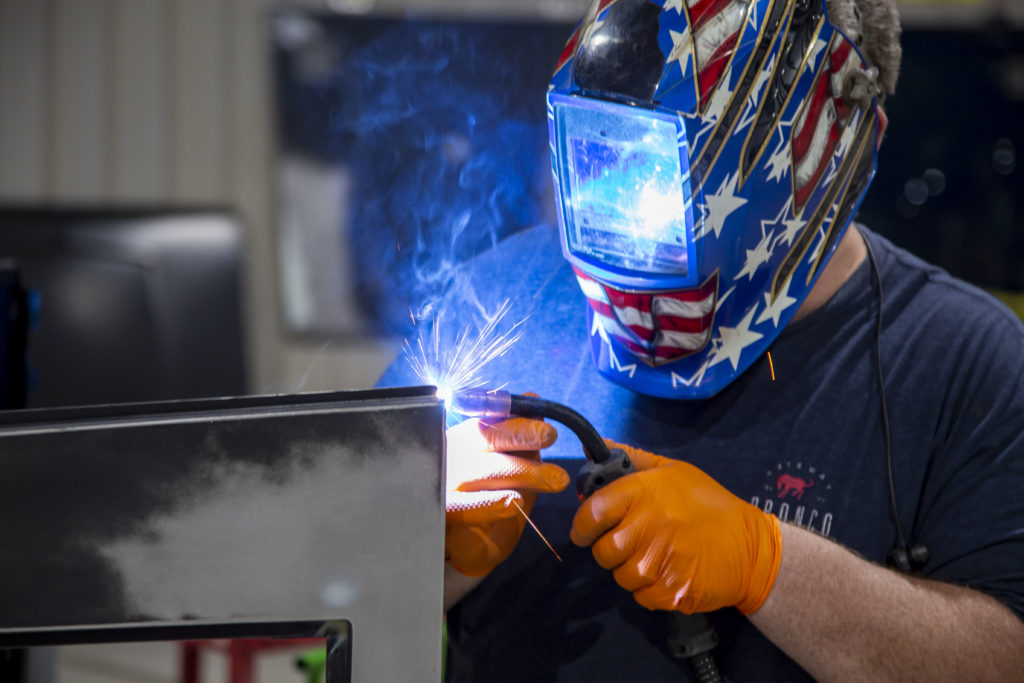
{"x":827,"y":434}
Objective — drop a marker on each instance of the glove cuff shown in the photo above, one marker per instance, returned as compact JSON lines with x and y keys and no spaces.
{"x":767,"y":557}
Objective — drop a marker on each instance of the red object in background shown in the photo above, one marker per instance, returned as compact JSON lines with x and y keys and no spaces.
{"x":240,"y":653}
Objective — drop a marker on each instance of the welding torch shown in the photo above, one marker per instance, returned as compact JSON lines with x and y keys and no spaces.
{"x":603,"y":464}
{"x":691,"y":636}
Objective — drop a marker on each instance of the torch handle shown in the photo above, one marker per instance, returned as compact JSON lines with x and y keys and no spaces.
{"x":691,"y":636}
{"x":501,"y":403}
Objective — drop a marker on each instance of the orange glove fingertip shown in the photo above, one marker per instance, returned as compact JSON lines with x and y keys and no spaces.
{"x":556,"y":478}
{"x":518,"y":434}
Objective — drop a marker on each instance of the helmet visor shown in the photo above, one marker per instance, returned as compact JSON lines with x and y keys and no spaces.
{"x":624,"y":182}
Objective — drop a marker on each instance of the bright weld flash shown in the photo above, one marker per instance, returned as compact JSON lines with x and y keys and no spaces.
{"x":445,"y":394}
{"x":659,"y":212}
{"x":460,"y":364}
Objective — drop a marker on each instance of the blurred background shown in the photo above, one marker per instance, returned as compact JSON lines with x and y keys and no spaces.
{"x":266,"y":111}
{"x":211,"y":197}
{"x":283,"y":115}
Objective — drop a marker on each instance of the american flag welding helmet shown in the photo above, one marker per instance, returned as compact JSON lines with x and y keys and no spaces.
{"x":708,"y":156}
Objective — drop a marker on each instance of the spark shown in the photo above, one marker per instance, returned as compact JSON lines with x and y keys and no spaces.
{"x":312,"y":364}
{"x":550,"y":547}
{"x":771,"y":365}
{"x":459,"y":365}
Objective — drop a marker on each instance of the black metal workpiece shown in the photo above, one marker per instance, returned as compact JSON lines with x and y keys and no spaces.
{"x":288,"y":516}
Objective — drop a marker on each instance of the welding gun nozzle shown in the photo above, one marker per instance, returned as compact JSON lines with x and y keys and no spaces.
{"x":481,"y":403}
{"x":501,"y":404}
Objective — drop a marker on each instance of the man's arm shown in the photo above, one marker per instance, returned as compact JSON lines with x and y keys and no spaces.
{"x":844,"y":618}
{"x":677,"y":540}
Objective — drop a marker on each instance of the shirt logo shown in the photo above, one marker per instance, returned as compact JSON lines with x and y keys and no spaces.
{"x":797,"y":493}
{"x":789,"y":485}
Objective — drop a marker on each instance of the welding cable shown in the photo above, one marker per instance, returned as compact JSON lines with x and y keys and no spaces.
{"x":496,"y":404}
{"x":691,"y":636}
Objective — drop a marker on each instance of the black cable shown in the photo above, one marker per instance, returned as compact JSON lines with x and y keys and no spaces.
{"x":901,"y":540}
{"x":501,"y":404}
{"x":531,"y":406}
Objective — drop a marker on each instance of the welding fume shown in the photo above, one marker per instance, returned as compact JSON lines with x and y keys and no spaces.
{"x":764,"y":404}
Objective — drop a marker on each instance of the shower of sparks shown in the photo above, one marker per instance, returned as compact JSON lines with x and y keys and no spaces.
{"x":550,"y":547}
{"x":459,"y":366}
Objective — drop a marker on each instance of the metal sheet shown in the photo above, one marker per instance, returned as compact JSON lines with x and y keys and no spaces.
{"x":231,"y":517}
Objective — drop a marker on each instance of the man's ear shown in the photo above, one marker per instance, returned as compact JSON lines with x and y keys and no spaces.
{"x":883,"y":123}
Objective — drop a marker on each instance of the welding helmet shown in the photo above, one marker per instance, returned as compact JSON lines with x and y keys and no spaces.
{"x":708,"y":155}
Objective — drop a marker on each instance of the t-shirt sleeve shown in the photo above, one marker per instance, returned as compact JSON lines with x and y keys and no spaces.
{"x":971,"y":514}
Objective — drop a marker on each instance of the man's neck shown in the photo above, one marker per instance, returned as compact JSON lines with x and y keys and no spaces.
{"x":850,"y":253}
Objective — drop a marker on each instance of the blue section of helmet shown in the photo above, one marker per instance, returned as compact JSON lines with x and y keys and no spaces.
{"x":774,"y":184}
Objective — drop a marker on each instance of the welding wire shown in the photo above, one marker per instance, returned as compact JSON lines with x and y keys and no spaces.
{"x":536,"y":529}
{"x":771,"y":365}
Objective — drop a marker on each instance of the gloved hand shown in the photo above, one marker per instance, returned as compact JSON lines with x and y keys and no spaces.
{"x":678,"y":540}
{"x":491,"y":467}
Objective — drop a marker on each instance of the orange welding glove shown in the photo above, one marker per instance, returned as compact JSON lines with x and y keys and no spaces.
{"x":491,"y":469}
{"x":678,"y":540}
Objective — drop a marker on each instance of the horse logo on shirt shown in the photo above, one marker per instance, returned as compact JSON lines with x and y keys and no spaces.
{"x":782,"y":494}
{"x":790,"y":485}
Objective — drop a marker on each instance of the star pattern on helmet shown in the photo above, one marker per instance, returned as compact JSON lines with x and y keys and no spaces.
{"x":617,"y":365}
{"x":752,"y":16}
{"x":792,"y":226}
{"x":695,"y":378}
{"x":831,"y":173}
{"x":700,"y":220}
{"x":719,"y":101}
{"x":819,"y":245}
{"x":731,"y":341}
{"x":682,"y":49}
{"x":677,"y":5}
{"x":816,"y":49}
{"x":845,"y":142}
{"x":598,"y":329}
{"x":753,"y":103}
{"x":758,"y":256}
{"x":681,"y":140}
{"x":721,"y":299}
{"x":773,"y":309}
{"x":779,"y":162}
{"x":722,"y":204}
{"x":849,"y":134}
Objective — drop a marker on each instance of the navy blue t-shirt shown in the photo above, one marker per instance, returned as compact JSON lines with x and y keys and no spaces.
{"x":807,"y":446}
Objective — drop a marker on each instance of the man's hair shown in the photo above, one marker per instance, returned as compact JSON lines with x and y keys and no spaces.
{"x":874,"y":26}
